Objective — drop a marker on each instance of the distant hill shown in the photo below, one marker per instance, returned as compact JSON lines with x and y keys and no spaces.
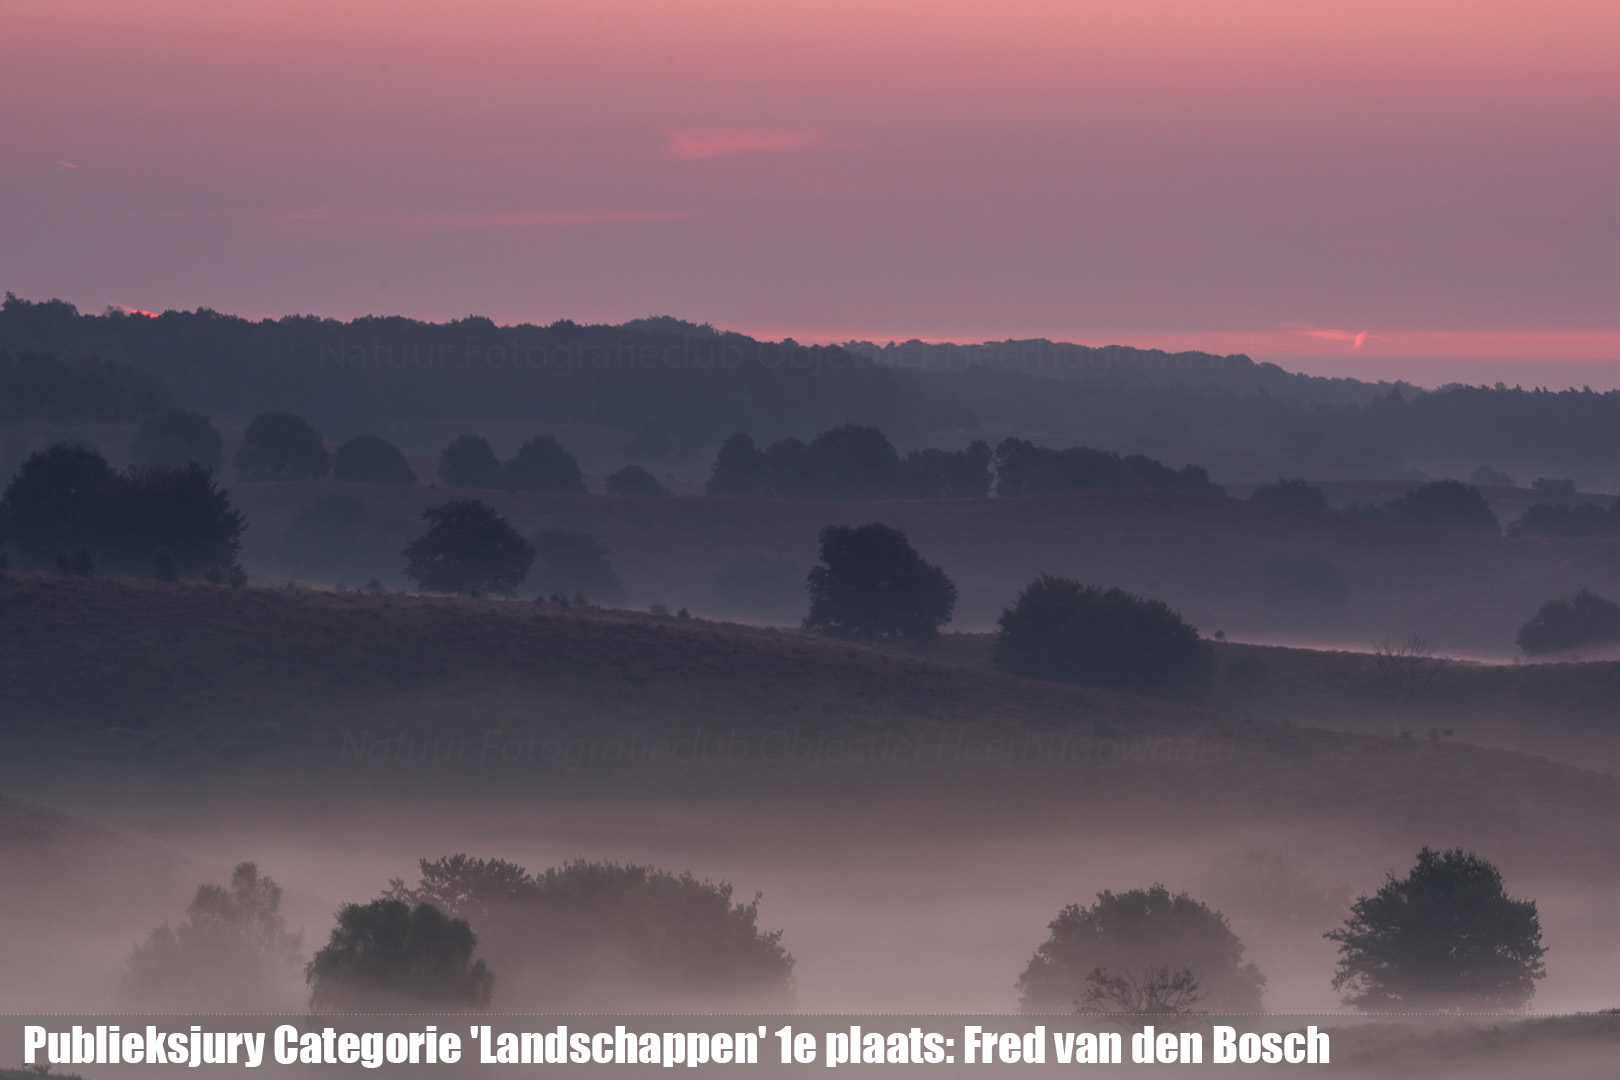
{"x":673,"y":389}
{"x":1126,"y":364}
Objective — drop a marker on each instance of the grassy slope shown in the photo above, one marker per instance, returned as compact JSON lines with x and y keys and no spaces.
{"x":1207,"y":556}
{"x":179,"y":689}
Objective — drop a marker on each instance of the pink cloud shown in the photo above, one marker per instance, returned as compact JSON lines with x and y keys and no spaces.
{"x":691,"y":143}
{"x":486,"y":220}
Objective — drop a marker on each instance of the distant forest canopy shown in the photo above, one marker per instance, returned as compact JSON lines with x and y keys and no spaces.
{"x":680,"y":388}
{"x":1125,"y":364}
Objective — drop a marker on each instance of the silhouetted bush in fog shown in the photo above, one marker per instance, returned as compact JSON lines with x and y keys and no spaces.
{"x":1562,"y":626}
{"x":590,"y":935}
{"x":1061,"y":630}
{"x":1145,"y":937}
{"x":231,"y":952}
{"x":388,"y":955}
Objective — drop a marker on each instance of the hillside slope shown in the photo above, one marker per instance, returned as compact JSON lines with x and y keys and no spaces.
{"x":275,"y":695}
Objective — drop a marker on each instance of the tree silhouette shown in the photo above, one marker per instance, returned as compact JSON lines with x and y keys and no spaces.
{"x":590,"y":934}
{"x":469,"y":462}
{"x":1445,"y":937}
{"x":1445,"y":504}
{"x":468,"y":548}
{"x":1563,"y":626}
{"x":1141,"y":948}
{"x":541,"y":464}
{"x":281,"y":446}
{"x":177,"y":438}
{"x":390,"y":955}
{"x":633,"y":480}
{"x":872,"y":584}
{"x":572,"y":562}
{"x":56,"y":503}
{"x":1062,"y":630}
{"x":739,"y":468}
{"x":231,"y":950}
{"x":371,"y":459}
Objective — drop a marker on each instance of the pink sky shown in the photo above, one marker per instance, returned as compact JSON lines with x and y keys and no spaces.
{"x":1374,"y":188}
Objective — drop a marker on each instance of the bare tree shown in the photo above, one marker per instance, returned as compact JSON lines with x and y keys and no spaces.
{"x":1161,"y":991}
{"x":1405,"y":668}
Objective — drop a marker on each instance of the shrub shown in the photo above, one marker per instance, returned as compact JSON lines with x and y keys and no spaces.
{"x":541,"y":464}
{"x":68,"y":500}
{"x":371,"y":459}
{"x":468,"y":462}
{"x":1445,"y":504}
{"x":1445,"y":937}
{"x":594,"y":934}
{"x":1563,"y":626}
{"x":1141,"y":937}
{"x":232,"y":951}
{"x":177,"y":438}
{"x":57,"y":502}
{"x":1061,"y":630}
{"x":872,"y":584}
{"x":468,"y":548}
{"x":574,"y":562}
{"x":389,"y":955}
{"x":281,"y":446}
{"x":1580,"y":521}
{"x":1297,"y":494}
{"x":633,"y":480}
{"x":1022,"y":468}
{"x":739,"y":468}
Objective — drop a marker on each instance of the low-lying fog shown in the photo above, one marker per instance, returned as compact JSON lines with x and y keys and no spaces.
{"x":877,"y":921}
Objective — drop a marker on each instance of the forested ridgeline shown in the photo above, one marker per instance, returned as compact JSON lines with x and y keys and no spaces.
{"x":680,"y":388}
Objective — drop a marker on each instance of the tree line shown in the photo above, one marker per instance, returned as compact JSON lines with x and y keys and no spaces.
{"x":1446,"y":936}
{"x":677,"y":386}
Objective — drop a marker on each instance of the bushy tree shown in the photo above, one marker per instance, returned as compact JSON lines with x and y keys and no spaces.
{"x":67,"y":500}
{"x":389,"y":955}
{"x":232,"y":951}
{"x":179,"y":511}
{"x":594,"y":934}
{"x":633,"y":480}
{"x":177,"y":438}
{"x":1445,"y":937}
{"x":872,"y":584}
{"x":1062,"y":630}
{"x":572,"y":562}
{"x":541,"y":464}
{"x":468,"y":548}
{"x":1295,"y":493}
{"x":854,"y":461}
{"x":281,"y":446}
{"x":371,"y":459}
{"x":947,"y":474}
{"x":1563,"y":626}
{"x":56,"y":503}
{"x":469,"y":462}
{"x":739,"y":468}
{"x":1022,"y":468}
{"x":1565,"y":521}
{"x":760,"y":586}
{"x":1140,"y":950}
{"x":1445,"y":504}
